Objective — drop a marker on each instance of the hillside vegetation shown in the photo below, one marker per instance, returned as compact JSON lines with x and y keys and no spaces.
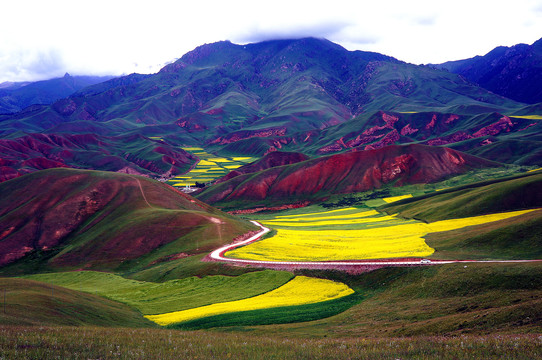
{"x":73,"y":219}
{"x":29,"y":302}
{"x":350,"y":172}
{"x":516,"y":238}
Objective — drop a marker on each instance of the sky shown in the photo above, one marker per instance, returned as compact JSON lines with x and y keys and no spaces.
{"x":45,"y":39}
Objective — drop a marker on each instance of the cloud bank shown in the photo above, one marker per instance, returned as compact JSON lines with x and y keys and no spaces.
{"x":48,"y":38}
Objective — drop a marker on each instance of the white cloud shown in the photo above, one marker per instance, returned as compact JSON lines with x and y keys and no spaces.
{"x":120,"y":36}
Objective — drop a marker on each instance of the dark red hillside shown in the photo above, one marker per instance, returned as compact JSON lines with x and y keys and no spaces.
{"x":67,"y":218}
{"x":133,"y":154}
{"x":346,"y":173}
{"x":275,"y":158}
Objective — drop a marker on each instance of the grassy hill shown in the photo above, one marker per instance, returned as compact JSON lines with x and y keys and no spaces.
{"x":357,"y":171}
{"x":134,"y":154}
{"x":29,"y":302}
{"x":517,"y":238}
{"x":73,"y":219}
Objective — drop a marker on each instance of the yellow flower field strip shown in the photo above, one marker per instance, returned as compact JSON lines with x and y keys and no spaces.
{"x":530,"y":117}
{"x":319,"y":213}
{"x":198,"y":171}
{"x":192,"y":149}
{"x":205,"y":163}
{"x":447,"y":225}
{"x":218,"y":160}
{"x":232,"y":166}
{"x":376,"y":243}
{"x":535,"y":170}
{"x":396,"y":198}
{"x":242,"y":158}
{"x":308,"y":218}
{"x":299,"y":291}
{"x":338,"y":222}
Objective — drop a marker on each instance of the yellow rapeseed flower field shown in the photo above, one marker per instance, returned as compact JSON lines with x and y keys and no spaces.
{"x":396,"y":198}
{"x":395,"y":241}
{"x":349,"y":209}
{"x":346,"y":220}
{"x":308,"y":217}
{"x":299,"y":291}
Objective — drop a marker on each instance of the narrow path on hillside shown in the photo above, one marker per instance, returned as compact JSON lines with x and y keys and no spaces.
{"x":142,"y":192}
{"x":218,"y":255}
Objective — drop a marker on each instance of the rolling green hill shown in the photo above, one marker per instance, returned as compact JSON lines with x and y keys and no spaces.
{"x":517,"y":238}
{"x":29,"y":302}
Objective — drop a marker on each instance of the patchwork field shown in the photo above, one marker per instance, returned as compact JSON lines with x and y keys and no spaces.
{"x":193,"y":298}
{"x":351,"y":234}
{"x":209,"y":168}
{"x":174,"y":295}
{"x":301,"y":290}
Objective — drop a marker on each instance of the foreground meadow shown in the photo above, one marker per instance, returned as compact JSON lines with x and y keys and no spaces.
{"x":122,"y":343}
{"x":178,"y":301}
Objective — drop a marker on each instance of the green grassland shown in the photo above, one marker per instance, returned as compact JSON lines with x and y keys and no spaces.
{"x":29,"y":302}
{"x":174,"y":295}
{"x":447,"y":300}
{"x":516,"y":238}
{"x":112,"y":343}
{"x":522,"y":192}
{"x":482,"y":310}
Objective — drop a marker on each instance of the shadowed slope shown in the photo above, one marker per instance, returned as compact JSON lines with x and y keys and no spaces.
{"x":516,"y":238}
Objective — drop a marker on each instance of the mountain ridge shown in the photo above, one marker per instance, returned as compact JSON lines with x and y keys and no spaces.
{"x":514,"y":72}
{"x":355,"y":171}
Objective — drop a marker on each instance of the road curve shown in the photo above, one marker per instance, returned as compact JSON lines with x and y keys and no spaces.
{"x":218,"y":255}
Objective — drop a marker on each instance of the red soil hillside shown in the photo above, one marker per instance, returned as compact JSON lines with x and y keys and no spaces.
{"x":346,"y":173}
{"x":275,"y":158}
{"x":132,"y":154}
{"x":67,"y":218}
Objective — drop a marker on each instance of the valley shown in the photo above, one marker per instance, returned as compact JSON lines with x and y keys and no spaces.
{"x":282,"y":199}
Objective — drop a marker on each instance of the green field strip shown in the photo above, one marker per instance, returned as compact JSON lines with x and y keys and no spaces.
{"x":174,"y":295}
{"x":278,"y":315}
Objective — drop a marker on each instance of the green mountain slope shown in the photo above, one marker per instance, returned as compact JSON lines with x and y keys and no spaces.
{"x":224,"y":93}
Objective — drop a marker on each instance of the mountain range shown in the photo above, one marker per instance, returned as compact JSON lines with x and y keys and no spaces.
{"x":514,"y":72}
{"x":304,"y":95}
{"x":16,"y":96}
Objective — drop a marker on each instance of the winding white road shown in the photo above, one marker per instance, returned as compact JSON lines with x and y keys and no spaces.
{"x":218,"y":255}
